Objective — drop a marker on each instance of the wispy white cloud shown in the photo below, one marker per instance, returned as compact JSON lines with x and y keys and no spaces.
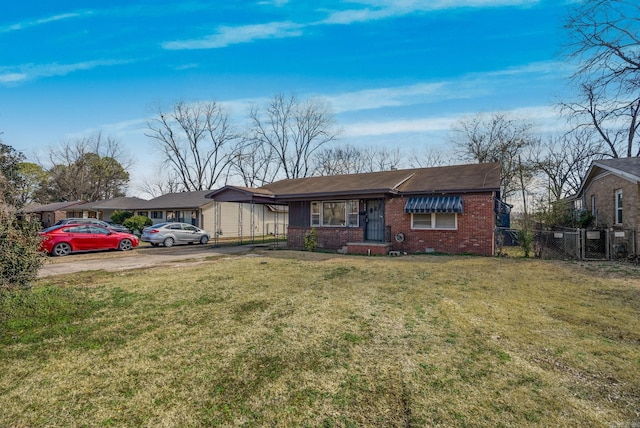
{"x":18,"y":74}
{"x":541,"y":67}
{"x":360,"y":15}
{"x":183,"y":67}
{"x":63,"y":69}
{"x":373,"y":10}
{"x":546,"y":120}
{"x":22,"y":25}
{"x":12,"y":77}
{"x":400,"y":126}
{"x":226,"y":36}
{"x":471,"y":85}
{"x":276,"y":3}
{"x":383,"y":101}
{"x":383,"y":97}
{"x":127,"y":11}
{"x":482,"y":86}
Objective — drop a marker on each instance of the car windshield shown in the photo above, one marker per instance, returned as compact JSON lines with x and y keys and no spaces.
{"x":75,"y":220}
{"x":49,"y":229}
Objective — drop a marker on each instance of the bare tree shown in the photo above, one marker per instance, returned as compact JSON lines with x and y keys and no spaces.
{"x":605,"y":45}
{"x":381,"y":159}
{"x":294,"y":131}
{"x":347,"y":159}
{"x":344,"y":159}
{"x":427,"y":158}
{"x":160,"y":185}
{"x":563,"y":161}
{"x":254,"y":162}
{"x":495,"y":138}
{"x":197,"y":141}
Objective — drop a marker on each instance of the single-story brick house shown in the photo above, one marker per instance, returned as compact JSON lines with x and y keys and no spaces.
{"x":49,"y":214}
{"x":102,"y":210}
{"x":447,"y":209}
{"x":610,"y":191}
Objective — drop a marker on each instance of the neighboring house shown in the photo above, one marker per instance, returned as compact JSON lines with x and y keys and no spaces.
{"x":445,"y":209}
{"x":49,"y":214}
{"x":223,"y":219}
{"x":610,"y":191}
{"x":102,"y":210}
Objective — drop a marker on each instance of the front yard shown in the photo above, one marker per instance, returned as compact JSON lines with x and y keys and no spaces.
{"x":304,"y":339}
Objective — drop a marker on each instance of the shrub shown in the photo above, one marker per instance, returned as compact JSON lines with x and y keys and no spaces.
{"x":119,"y":216}
{"x":20,"y":258}
{"x":585,"y":219}
{"x":137,"y":223}
{"x":311,"y":240}
{"x":525,"y":239}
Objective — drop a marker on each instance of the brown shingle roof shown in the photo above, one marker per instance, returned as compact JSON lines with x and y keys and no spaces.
{"x":120,"y":203}
{"x":340,"y":184}
{"x":55,"y":206}
{"x":446,"y":179}
{"x":195,"y":199}
{"x":456,"y":178}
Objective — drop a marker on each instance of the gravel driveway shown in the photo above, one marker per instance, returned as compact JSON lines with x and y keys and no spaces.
{"x":141,"y":257}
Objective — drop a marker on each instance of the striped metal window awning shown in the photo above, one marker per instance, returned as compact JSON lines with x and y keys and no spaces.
{"x":434,"y":204}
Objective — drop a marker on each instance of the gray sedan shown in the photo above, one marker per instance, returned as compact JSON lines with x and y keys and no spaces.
{"x":172,"y":233}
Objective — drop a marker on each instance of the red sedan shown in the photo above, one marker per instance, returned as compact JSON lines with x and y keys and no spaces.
{"x":68,"y":238}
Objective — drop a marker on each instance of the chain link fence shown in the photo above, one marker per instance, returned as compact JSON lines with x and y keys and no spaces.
{"x":579,"y":244}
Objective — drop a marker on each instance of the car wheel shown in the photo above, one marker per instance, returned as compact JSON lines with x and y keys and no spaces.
{"x":61,"y":249}
{"x":168,"y":242}
{"x":204,"y":240}
{"x":125,"y":245}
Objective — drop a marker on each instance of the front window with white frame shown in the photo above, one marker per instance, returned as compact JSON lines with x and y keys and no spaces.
{"x":618,"y":213}
{"x":431,"y":221}
{"x":334,"y":213}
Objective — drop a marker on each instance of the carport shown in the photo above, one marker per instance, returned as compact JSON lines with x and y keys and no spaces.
{"x":257,"y":200}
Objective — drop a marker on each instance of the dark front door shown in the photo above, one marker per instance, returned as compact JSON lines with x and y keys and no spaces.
{"x":375,"y":220}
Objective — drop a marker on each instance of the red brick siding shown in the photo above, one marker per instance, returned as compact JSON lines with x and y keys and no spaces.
{"x":474,"y":234}
{"x":369,"y":249}
{"x":329,"y":238}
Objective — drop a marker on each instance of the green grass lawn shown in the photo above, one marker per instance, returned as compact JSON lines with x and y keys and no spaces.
{"x":306,"y":339}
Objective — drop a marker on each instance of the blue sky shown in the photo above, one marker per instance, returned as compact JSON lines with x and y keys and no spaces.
{"x":397,"y":73}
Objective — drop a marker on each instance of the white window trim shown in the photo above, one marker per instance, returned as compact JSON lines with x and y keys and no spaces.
{"x":346,"y":213}
{"x":433,"y":222}
{"x":618,"y":207}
